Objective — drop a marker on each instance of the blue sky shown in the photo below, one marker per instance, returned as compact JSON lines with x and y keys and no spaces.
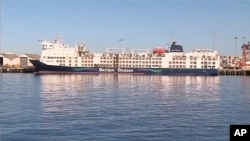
{"x":140,"y":23}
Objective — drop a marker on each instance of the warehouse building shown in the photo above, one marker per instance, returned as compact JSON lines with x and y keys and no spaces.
{"x":11,"y":60}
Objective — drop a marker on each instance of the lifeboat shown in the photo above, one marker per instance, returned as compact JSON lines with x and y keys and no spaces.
{"x":160,"y":50}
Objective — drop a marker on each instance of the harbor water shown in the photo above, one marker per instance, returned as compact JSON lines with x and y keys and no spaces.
{"x":109,"y":107}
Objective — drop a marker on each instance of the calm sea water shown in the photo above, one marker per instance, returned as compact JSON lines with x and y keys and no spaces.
{"x":121,"y":107}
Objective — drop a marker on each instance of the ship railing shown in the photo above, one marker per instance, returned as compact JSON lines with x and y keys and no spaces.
{"x":203,"y":50}
{"x":134,"y":51}
{"x":110,"y":50}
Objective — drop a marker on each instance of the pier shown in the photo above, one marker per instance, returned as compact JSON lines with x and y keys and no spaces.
{"x":231,"y":72}
{"x":234,"y":72}
{"x":17,"y":70}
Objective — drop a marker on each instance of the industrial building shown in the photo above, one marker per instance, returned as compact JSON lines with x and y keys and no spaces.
{"x":12,"y":60}
{"x":246,"y":56}
{"x":230,"y":62}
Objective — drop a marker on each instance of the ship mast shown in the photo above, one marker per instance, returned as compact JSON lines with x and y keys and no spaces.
{"x":57,"y":40}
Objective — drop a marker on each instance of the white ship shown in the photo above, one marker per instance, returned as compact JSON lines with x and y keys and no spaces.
{"x":57,"y":57}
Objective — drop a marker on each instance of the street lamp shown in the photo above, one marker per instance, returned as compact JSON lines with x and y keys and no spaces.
{"x":213,"y":39}
{"x":120,"y":41}
{"x":235,"y":45}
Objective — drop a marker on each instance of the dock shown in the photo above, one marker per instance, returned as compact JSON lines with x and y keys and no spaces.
{"x":17,"y":70}
{"x":234,"y":72}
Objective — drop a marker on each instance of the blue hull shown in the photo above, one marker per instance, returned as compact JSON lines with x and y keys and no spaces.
{"x":43,"y":68}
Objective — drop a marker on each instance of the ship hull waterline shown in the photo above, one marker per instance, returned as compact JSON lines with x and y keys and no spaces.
{"x":42,"y":68}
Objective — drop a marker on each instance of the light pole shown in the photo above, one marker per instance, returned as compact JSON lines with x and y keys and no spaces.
{"x":120,"y":41}
{"x":235,"y":45}
{"x":213,"y":39}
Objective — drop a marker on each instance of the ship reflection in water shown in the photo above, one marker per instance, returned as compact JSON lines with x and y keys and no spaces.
{"x":61,"y":91}
{"x":112,"y":107}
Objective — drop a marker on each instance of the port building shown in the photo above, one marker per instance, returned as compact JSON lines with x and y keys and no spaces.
{"x":12,"y":60}
{"x":246,"y":56}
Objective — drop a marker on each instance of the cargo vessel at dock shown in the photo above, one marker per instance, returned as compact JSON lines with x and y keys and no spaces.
{"x":59,"y":58}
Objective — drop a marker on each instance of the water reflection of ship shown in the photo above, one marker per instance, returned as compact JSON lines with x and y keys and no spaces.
{"x":59,"y":90}
{"x":164,"y":83}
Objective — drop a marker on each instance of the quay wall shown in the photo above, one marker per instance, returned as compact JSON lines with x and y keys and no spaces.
{"x":17,"y":70}
{"x":234,"y":72}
